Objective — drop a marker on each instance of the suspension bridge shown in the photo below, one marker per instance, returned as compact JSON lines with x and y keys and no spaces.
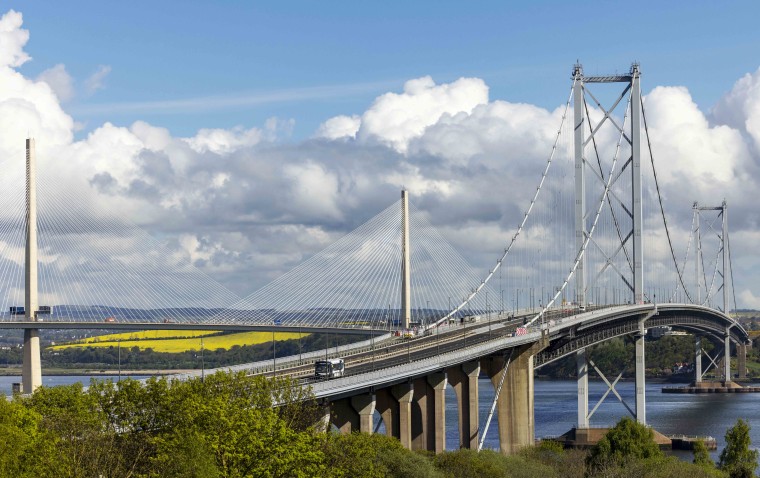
{"x":592,"y":257}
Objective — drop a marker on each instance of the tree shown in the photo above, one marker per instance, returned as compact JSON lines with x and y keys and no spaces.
{"x":737,"y":459}
{"x":702,"y":455}
{"x":22,"y":446}
{"x":625,"y":441}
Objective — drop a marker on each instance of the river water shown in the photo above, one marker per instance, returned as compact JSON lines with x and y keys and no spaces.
{"x":555,"y":409}
{"x":669,"y":413}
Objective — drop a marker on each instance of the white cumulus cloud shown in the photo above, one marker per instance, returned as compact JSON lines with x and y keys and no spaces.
{"x":12,"y":40}
{"x":339,"y":127}
{"x":59,"y":80}
{"x":246,"y":206}
{"x":394,"y":119}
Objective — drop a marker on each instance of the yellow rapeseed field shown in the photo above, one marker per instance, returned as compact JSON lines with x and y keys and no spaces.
{"x":163,"y":341}
{"x":147,"y":334}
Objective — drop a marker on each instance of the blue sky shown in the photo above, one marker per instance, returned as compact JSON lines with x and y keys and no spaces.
{"x":309,"y":61}
{"x":164,"y":109}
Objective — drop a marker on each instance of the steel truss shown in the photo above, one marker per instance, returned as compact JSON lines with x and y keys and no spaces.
{"x":629,"y":240}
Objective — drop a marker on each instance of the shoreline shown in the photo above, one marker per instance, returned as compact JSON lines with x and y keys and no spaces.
{"x":97,"y":372}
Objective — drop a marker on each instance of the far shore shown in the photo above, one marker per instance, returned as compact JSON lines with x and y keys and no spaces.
{"x":16,"y":372}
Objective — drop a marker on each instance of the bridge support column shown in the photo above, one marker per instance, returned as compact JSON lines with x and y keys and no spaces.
{"x":404,"y":394}
{"x":387,"y":407}
{"x":698,"y":360}
{"x":355,"y":413}
{"x":429,"y":413}
{"x":438,"y":382}
{"x":464,"y":380}
{"x":581,"y":367}
{"x":31,"y":369}
{"x":641,"y":400}
{"x":344,"y":416}
{"x":515,"y":403}
{"x":741,"y":360}
{"x":326,"y":419}
{"x":365,"y":408}
{"x":727,"y":359}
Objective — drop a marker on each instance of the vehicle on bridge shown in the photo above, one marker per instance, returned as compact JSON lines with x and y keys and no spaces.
{"x":328,"y":369}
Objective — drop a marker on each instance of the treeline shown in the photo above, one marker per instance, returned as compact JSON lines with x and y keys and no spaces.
{"x":227,"y":426}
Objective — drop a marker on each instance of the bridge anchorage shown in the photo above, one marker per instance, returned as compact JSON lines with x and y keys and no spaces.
{"x":573,"y":275}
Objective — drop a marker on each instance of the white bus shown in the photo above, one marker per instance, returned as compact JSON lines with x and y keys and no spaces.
{"x":332,"y":368}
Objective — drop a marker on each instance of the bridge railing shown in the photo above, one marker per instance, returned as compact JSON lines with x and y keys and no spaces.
{"x":419,"y":367}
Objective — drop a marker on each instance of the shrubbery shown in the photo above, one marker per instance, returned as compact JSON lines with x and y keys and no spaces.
{"x":226,"y":426}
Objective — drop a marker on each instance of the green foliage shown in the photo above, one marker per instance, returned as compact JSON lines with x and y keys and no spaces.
{"x":234,"y":426}
{"x":361,"y":454}
{"x":702,"y":455}
{"x":657,"y":467}
{"x":625,"y":441}
{"x":402,"y":463}
{"x":737,"y":459}
{"x":20,"y":440}
{"x":471,"y":464}
{"x":567,"y":463}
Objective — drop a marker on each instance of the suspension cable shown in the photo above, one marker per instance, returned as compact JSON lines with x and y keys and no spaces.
{"x":659,"y":199}
{"x":602,"y":201}
{"x":522,"y":223}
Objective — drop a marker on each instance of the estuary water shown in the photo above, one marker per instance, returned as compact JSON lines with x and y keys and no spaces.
{"x":555,"y":409}
{"x":708,"y":414}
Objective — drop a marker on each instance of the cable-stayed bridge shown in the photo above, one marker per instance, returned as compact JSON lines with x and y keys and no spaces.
{"x":592,"y":256}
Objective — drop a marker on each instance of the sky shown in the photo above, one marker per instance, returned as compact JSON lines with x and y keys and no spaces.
{"x":253,"y":134}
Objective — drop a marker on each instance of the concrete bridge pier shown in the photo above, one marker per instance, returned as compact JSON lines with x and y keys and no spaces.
{"x":395,"y":407}
{"x":429,"y":413}
{"x":515,"y":403}
{"x":354,"y":413}
{"x":326,"y":414}
{"x":641,"y":398}
{"x":698,"y":360}
{"x":464,"y":380}
{"x":581,"y":366}
{"x":727,"y":358}
{"x":741,"y":360}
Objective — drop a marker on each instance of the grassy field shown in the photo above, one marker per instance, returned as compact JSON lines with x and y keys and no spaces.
{"x":169,"y":341}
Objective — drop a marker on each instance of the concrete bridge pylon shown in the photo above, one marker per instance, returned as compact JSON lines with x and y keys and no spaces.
{"x":406,"y":266}
{"x":31,"y":370}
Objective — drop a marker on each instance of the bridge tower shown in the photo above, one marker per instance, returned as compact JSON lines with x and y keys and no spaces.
{"x":31,"y":371}
{"x":721,"y":234}
{"x":724,"y":273}
{"x":585,"y":139}
{"x":406,"y":290}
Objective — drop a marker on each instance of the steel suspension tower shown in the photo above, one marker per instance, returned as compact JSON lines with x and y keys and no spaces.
{"x":585,"y":139}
